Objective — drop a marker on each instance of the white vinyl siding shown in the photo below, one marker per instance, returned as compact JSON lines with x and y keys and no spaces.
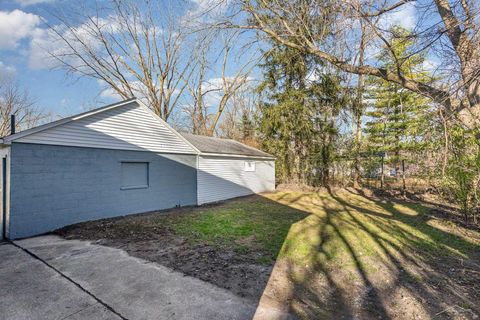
{"x":250,"y":166}
{"x":128,"y":127}
{"x":221,"y":178}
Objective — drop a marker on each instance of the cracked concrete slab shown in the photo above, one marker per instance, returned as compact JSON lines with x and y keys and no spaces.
{"x":134,"y":288}
{"x":31,"y":290}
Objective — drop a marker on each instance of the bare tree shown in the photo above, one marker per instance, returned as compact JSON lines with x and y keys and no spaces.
{"x":197,"y":87}
{"x":204,"y":121}
{"x":135,"y":49}
{"x":238,"y":122}
{"x":317,"y":27}
{"x":358,"y":107}
{"x":233,"y":83}
{"x":16,"y":101}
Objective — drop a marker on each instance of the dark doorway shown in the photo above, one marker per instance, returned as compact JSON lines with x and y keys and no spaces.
{"x":4,"y":198}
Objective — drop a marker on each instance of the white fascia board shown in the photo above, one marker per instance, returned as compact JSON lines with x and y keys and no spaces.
{"x":226,"y":155}
{"x":8,"y":139}
{"x":104,"y":108}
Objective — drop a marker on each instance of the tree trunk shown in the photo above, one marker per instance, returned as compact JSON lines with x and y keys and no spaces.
{"x":404,"y":187}
{"x":382,"y":175}
{"x":445,"y":145}
{"x":358,"y":111}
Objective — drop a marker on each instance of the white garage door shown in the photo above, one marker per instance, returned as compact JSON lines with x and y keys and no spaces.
{"x":222,"y":178}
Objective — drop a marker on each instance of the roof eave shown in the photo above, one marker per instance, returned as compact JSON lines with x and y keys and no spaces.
{"x":236,"y":155}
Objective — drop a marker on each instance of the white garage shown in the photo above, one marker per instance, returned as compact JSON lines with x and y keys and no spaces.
{"x":228,"y":169}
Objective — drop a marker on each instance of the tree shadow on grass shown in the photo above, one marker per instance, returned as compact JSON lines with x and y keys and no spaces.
{"x":359,"y":257}
{"x":437,"y":209}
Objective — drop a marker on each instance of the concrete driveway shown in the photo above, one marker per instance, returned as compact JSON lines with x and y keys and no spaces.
{"x":48,"y":277}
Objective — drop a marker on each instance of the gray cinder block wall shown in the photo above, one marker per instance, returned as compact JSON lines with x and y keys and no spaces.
{"x":53,"y":186}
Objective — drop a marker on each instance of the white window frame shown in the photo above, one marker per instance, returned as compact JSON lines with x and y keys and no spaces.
{"x":249,"y":166}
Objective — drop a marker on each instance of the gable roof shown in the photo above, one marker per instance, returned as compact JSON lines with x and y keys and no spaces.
{"x":219,"y":146}
{"x":126,"y":125}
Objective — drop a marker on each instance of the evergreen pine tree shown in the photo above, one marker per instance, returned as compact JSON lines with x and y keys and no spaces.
{"x":298,"y":117}
{"x":397,"y":117}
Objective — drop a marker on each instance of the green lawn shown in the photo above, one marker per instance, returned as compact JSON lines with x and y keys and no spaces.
{"x":342,"y":224}
{"x":246,"y":224}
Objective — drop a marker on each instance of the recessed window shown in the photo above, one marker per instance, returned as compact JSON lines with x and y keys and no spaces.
{"x":134,"y":175}
{"x":250,"y":166}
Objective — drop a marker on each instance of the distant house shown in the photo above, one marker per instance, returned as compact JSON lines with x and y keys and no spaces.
{"x":118,"y":160}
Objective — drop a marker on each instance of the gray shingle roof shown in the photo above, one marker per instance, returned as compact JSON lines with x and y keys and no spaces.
{"x":223,"y":146}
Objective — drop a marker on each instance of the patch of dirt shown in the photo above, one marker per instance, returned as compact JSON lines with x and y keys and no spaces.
{"x":224,"y":266}
{"x":297,"y":187}
{"x":442,"y":289}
